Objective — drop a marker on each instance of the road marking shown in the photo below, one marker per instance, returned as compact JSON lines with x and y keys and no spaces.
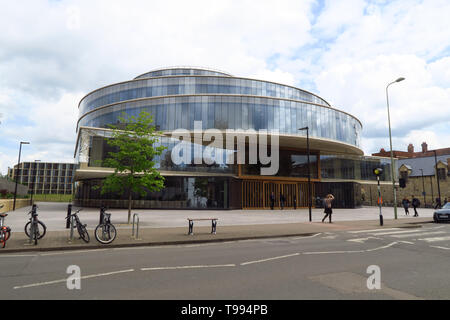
{"x":393,"y":232}
{"x":70,"y":252}
{"x":189,"y":267}
{"x":64,"y":280}
{"x":357,"y":251}
{"x":362,"y":240}
{"x":417,"y":234}
{"x":18,"y":255}
{"x":269,"y":259}
{"x":313,"y":236}
{"x":444,"y":248}
{"x":373,"y":230}
{"x":435,"y":239}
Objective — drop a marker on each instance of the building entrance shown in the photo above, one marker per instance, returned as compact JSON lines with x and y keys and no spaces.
{"x":256,"y":194}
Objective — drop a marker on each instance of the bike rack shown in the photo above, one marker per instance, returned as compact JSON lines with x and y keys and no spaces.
{"x":137,"y":227}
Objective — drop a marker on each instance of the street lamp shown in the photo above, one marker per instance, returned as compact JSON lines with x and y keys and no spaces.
{"x":437,"y":178}
{"x":423,"y":190}
{"x":35,"y":180}
{"x":309,"y":173}
{"x":392,"y":154}
{"x":18,"y":173}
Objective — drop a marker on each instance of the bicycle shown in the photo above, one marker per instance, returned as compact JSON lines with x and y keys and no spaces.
{"x":82,"y":231}
{"x":5,"y":232}
{"x":35,"y":227}
{"x":105,"y":232}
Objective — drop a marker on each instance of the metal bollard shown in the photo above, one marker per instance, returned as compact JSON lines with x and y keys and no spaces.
{"x":137,"y":226}
{"x":69,"y":212}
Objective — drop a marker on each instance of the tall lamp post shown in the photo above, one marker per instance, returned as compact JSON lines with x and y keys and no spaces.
{"x":35,"y":180}
{"x":437,"y":178}
{"x":392,"y":153}
{"x":18,"y":173}
{"x":309,"y":174}
{"x":423,"y":190}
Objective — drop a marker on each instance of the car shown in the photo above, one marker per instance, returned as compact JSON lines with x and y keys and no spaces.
{"x":442,"y":214}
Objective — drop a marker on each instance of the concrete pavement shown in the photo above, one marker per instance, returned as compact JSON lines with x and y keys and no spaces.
{"x":158,"y":227}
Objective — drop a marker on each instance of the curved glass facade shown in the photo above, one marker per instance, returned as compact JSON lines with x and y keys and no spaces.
{"x":181,"y":72}
{"x":236,"y":112}
{"x":177,"y":98}
{"x":189,"y":85}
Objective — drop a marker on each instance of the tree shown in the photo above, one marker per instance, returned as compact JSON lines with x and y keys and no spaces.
{"x":133,"y":161}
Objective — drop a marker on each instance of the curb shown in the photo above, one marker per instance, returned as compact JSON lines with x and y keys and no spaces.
{"x":151,"y":244}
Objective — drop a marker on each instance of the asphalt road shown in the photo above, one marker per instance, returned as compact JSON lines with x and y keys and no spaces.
{"x":414,"y":263}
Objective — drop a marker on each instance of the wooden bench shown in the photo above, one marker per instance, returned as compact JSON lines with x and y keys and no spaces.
{"x":191,"y":224}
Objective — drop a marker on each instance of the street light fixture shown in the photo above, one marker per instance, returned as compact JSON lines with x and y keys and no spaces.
{"x":390,"y":142}
{"x":309,"y":174}
{"x":423,"y":190}
{"x":437,"y":178}
{"x":18,"y":173}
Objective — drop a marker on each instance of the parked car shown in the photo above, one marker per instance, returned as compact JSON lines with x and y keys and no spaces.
{"x":442,"y":214}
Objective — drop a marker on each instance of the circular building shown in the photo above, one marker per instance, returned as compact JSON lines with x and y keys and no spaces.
{"x":199,"y":100}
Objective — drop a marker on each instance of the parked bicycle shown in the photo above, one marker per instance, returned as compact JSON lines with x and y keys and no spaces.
{"x":82,"y":231}
{"x":35,"y":227}
{"x":5,"y":232}
{"x":105,"y":232}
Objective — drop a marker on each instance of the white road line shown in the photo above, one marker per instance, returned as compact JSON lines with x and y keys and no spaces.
{"x":355,"y":251}
{"x":393,"y":232}
{"x":410,"y":235}
{"x":17,"y":255}
{"x":70,"y":252}
{"x":362,"y":240}
{"x":64,"y":280}
{"x":189,"y":267}
{"x":444,"y":248}
{"x":435,"y":239}
{"x":314,"y":235}
{"x":269,"y":259}
{"x":373,"y":230}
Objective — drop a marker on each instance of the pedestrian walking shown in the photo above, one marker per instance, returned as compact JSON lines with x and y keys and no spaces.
{"x":445,"y":201}
{"x":438,"y":203}
{"x":415,"y":203}
{"x":405,"y":203}
{"x":272,"y":200}
{"x":282,"y":200}
{"x":295,"y":202}
{"x":328,"y":206}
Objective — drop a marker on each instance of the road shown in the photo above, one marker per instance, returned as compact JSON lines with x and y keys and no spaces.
{"x":414,"y":264}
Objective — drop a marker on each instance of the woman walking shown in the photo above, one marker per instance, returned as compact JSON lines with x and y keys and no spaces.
{"x":405,"y":204}
{"x":328,"y":206}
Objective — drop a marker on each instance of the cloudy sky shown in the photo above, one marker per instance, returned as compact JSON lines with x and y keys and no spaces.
{"x":54,"y":52}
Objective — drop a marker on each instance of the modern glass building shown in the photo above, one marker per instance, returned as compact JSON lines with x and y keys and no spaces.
{"x":184,"y":97}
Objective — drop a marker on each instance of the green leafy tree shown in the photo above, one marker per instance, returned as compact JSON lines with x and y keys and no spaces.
{"x":134,"y":140}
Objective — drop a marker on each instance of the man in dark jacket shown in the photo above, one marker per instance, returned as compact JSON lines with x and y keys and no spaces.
{"x":272,"y":200}
{"x":282,"y":199}
{"x":415,"y":203}
{"x":405,"y":203}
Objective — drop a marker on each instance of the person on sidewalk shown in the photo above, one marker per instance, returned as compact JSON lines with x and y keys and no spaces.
{"x":272,"y":200}
{"x":438,"y":203}
{"x":282,"y":200}
{"x":415,"y":203}
{"x":328,"y":206}
{"x":405,"y":203}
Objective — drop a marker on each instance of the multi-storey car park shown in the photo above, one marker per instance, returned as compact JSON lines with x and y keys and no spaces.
{"x":178,"y":97}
